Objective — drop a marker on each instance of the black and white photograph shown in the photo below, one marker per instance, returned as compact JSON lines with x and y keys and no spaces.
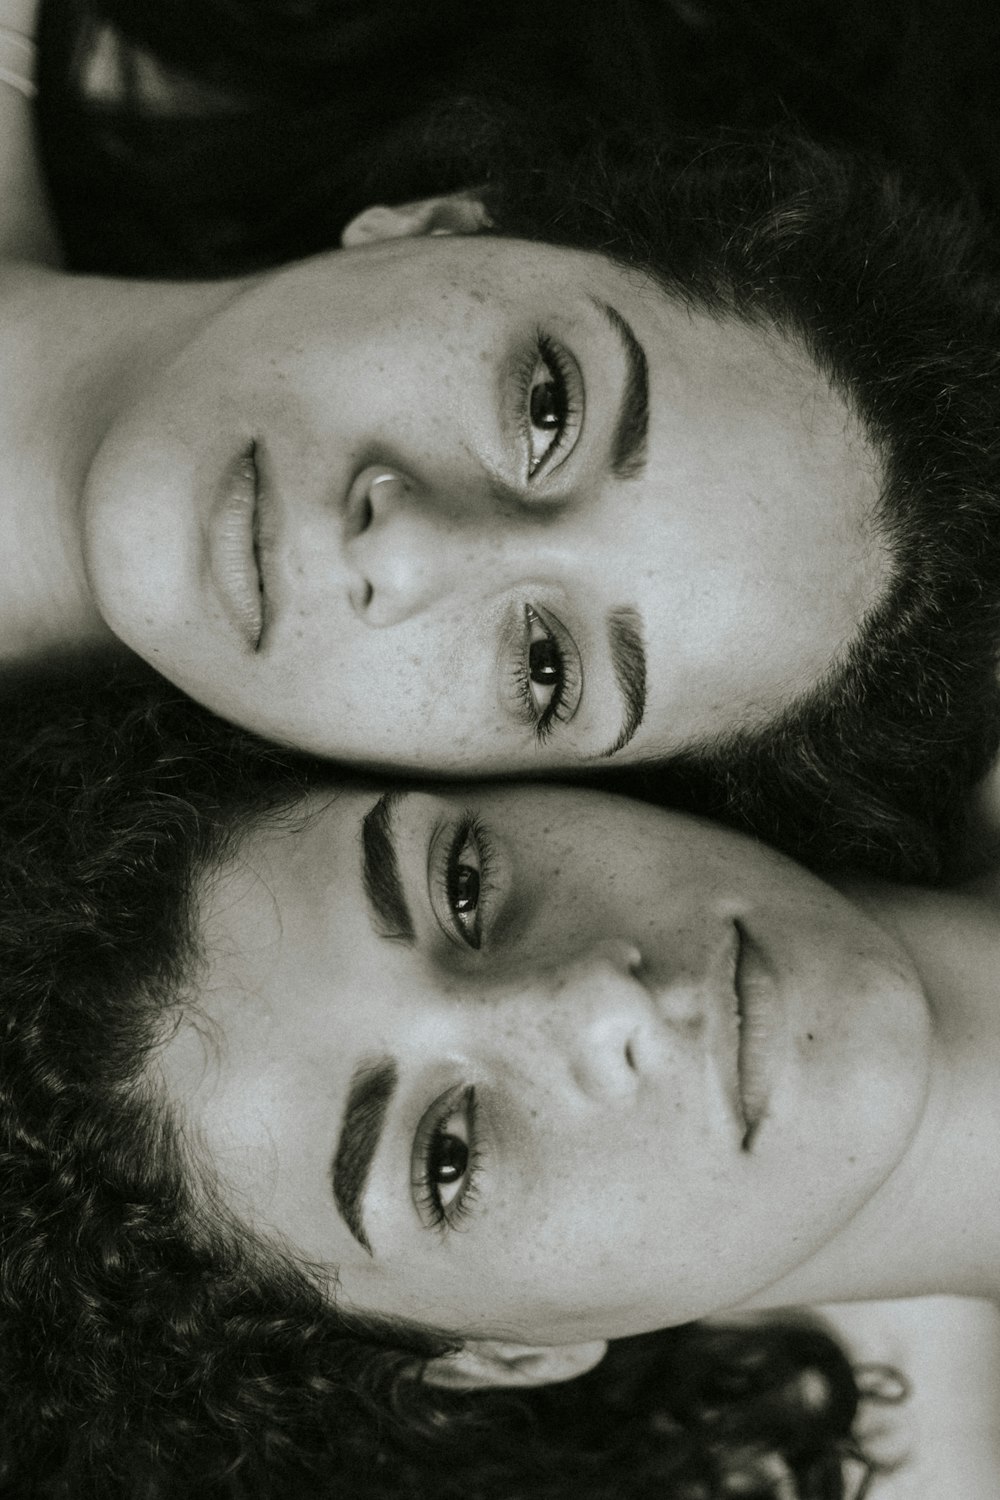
{"x":499,"y":750}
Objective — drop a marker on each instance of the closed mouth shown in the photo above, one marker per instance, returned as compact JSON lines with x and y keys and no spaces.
{"x":755,"y":1005}
{"x":235,"y":548}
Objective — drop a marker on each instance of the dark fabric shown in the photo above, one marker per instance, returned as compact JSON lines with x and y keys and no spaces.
{"x":325,"y":101}
{"x":325,"y":93}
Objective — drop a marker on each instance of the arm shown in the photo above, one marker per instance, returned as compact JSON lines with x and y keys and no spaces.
{"x":26,"y":231}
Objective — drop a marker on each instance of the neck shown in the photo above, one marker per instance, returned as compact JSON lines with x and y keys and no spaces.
{"x":934,"y":1226}
{"x":74,"y":350}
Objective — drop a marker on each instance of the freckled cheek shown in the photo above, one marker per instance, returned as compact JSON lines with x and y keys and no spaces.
{"x":577,"y":1226}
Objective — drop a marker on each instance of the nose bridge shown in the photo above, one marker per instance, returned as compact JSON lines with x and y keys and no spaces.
{"x":421,"y":544}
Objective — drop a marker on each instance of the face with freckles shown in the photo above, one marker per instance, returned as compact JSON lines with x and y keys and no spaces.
{"x":538,"y":1063}
{"x":464,"y":503}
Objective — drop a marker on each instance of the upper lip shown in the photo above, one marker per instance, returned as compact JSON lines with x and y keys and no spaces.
{"x":730,"y":1018}
{"x":728,"y":1046}
{"x":753,"y":1063}
{"x":745,"y":1124}
{"x":727,"y":1035}
{"x":240,"y":540}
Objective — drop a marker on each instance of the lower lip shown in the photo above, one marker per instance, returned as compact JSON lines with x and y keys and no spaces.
{"x":758,"y":1044}
{"x":232,"y":553}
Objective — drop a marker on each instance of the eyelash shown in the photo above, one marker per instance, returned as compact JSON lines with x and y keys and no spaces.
{"x":428,"y":1195}
{"x":470,"y":828}
{"x":549,"y":354}
{"x":554,"y":712}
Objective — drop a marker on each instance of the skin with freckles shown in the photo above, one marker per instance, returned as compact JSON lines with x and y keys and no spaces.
{"x":465,"y":503}
{"x":540,"y":1064}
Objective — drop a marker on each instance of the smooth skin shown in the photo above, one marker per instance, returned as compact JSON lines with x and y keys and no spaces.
{"x":546,"y":996}
{"x":535,"y":991}
{"x":400,"y":503}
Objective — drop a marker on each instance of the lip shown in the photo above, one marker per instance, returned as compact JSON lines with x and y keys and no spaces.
{"x":757,"y":1036}
{"x":234,"y":543}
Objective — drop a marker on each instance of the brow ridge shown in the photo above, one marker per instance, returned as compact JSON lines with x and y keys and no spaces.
{"x":628,"y":441}
{"x":372,"y":1087}
{"x":380,"y":869}
{"x":628,"y":660}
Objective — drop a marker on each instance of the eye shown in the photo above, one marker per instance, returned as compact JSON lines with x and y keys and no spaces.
{"x":552,"y":406}
{"x":551,"y":675}
{"x":445,"y":1158}
{"x":467,"y":880}
{"x":546,"y":669}
{"x":468,"y":883}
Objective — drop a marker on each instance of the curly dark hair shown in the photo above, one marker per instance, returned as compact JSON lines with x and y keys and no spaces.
{"x":150,"y":1347}
{"x":325,"y":98}
{"x":897,"y":304}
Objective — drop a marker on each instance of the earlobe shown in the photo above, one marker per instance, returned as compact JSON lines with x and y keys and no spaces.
{"x":455,"y":213}
{"x":484,"y":1363}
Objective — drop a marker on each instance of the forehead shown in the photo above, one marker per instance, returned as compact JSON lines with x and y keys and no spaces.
{"x":756,"y":524}
{"x":276,"y":925}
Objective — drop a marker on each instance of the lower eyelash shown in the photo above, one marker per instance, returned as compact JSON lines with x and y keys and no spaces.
{"x":430,"y":1200}
{"x":473,"y":827}
{"x":463,"y":1206}
{"x":544,"y":351}
{"x":551,"y":716}
{"x":543,"y":723}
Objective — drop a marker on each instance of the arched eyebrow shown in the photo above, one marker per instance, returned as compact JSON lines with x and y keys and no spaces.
{"x":373,"y":1085}
{"x":628,"y":441}
{"x":380,"y":870}
{"x":628,"y":659}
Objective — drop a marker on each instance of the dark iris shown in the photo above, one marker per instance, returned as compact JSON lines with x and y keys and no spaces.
{"x":544,"y":664}
{"x":449,"y":1159}
{"x":547,"y":405}
{"x":466,"y":895}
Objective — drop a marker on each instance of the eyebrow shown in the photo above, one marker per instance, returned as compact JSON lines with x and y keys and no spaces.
{"x":373,"y":1084}
{"x":628,"y":659}
{"x":380,"y":870}
{"x":628,"y":441}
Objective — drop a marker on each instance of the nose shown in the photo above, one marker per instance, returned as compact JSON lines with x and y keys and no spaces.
{"x":588,"y":1013}
{"x":408,"y":549}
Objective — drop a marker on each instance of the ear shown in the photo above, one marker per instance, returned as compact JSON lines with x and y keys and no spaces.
{"x":486,"y":1362}
{"x":456,"y":213}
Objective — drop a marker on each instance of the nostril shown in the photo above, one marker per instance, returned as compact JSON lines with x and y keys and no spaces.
{"x":374,"y":490}
{"x":361,"y":596}
{"x":630,"y":1055}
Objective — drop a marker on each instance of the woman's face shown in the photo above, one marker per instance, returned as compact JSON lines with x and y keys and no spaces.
{"x":461,"y":503}
{"x":540,"y":1063}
